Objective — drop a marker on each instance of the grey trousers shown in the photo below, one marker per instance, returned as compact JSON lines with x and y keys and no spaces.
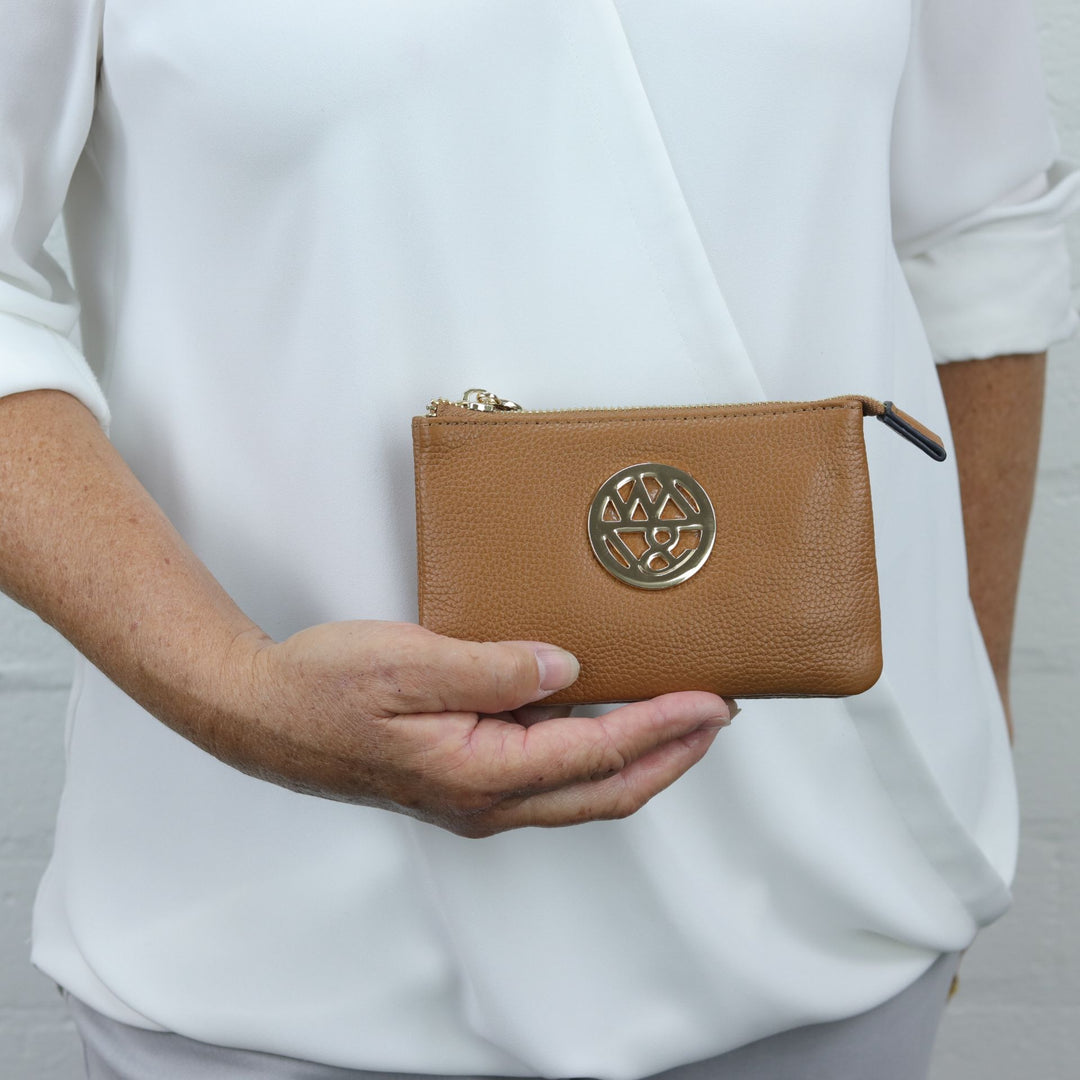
{"x":891,"y":1042}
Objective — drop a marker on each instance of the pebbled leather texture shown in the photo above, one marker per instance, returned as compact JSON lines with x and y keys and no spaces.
{"x":786,"y":605}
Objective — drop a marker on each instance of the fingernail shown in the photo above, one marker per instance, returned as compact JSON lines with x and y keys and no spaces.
{"x":558,"y":668}
{"x":714,"y":724}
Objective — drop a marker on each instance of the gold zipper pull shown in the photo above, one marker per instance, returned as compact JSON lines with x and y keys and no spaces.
{"x":479,"y":401}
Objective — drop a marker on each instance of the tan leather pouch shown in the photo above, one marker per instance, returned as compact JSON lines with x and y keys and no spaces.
{"x":727,"y":548}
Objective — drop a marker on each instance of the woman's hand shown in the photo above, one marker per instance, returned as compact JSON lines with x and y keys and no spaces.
{"x":383,"y":714}
{"x":394,"y":716}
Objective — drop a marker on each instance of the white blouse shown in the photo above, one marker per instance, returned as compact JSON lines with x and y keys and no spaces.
{"x":292,"y":226}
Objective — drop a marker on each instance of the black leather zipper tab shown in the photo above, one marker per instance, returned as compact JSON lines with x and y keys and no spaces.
{"x":920,"y":436}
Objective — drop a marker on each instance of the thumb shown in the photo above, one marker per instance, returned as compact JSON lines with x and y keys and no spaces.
{"x":556,"y":668}
{"x":442,"y":674}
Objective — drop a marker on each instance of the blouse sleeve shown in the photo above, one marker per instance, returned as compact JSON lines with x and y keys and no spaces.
{"x":979,"y":196}
{"x":48,"y":72}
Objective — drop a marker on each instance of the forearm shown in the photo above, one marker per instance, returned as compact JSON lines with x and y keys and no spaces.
{"x":995,"y":412}
{"x":84,"y":546}
{"x":382,"y":714}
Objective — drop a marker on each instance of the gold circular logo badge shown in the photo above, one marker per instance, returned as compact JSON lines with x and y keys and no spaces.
{"x":652,"y":526}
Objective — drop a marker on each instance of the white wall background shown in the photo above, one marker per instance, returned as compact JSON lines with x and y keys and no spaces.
{"x":1018,"y":1012}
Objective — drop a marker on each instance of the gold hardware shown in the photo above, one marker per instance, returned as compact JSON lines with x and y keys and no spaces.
{"x":652,"y":525}
{"x":478,"y":400}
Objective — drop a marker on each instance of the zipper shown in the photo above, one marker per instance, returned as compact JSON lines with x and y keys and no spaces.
{"x":478,"y":401}
{"x":484,"y":401}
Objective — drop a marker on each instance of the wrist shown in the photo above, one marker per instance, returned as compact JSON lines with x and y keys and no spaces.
{"x":216,"y":700}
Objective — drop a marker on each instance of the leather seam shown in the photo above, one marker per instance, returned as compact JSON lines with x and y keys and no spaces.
{"x":419,"y":464}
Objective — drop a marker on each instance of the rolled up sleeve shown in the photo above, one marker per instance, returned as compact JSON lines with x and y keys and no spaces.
{"x":980,"y":194}
{"x":48,"y":72}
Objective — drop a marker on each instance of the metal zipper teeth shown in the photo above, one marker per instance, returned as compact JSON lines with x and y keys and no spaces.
{"x":871,"y":407}
{"x":930,"y":444}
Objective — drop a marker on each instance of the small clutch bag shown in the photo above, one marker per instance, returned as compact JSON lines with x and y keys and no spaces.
{"x":727,"y":548}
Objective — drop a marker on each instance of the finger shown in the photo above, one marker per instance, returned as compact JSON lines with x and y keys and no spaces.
{"x":615,"y":797}
{"x":535,"y":714}
{"x":422,"y":672}
{"x":508,"y":758}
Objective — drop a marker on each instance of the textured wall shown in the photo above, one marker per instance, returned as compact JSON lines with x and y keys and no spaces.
{"x":1018,"y":1013}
